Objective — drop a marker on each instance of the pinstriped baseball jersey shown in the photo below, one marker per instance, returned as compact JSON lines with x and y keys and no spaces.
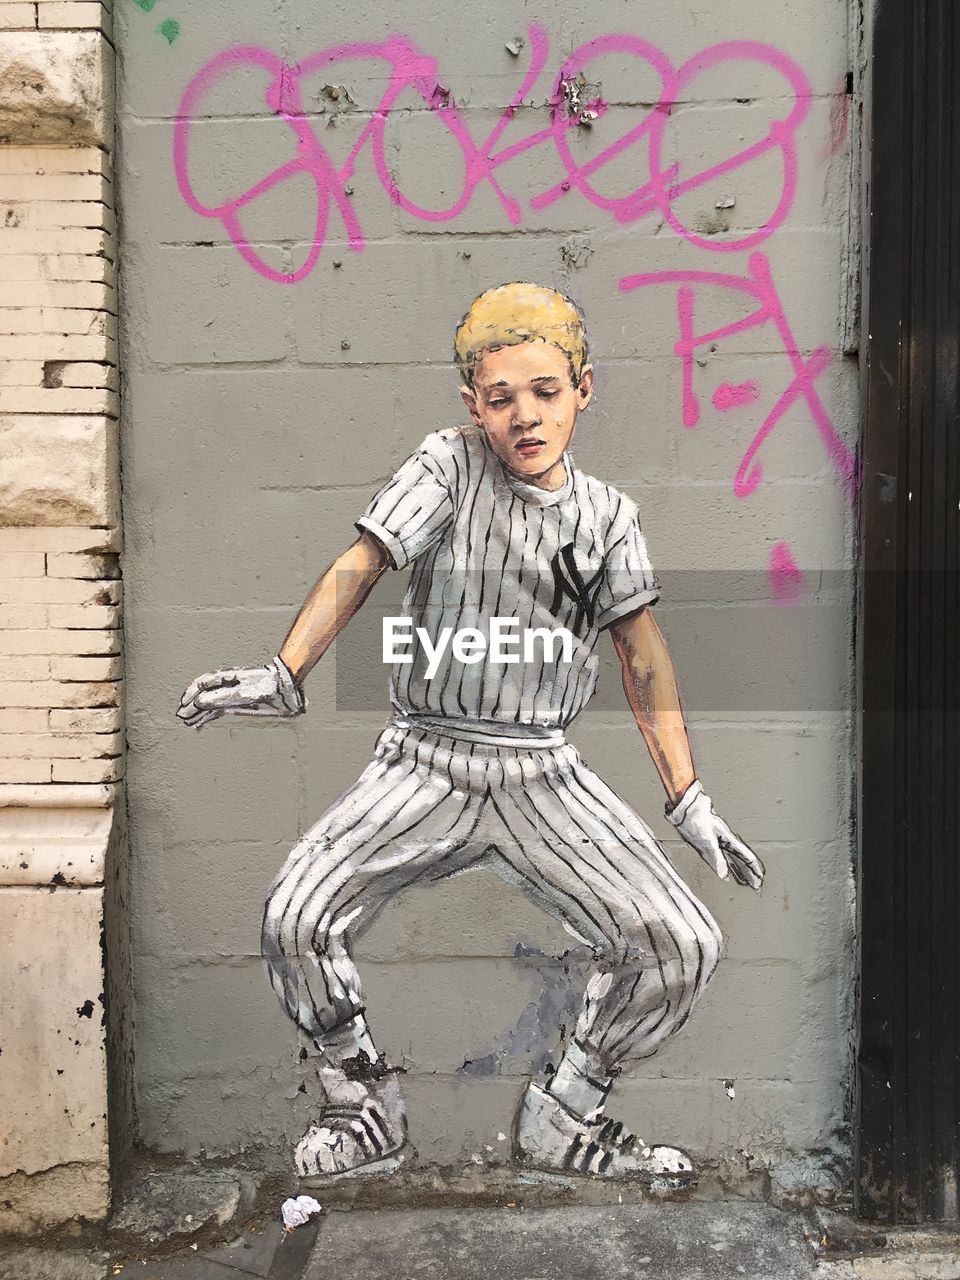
{"x":485,"y":544}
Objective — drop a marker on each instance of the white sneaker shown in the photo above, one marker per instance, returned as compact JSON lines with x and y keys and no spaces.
{"x":362,"y":1129}
{"x":549,"y":1136}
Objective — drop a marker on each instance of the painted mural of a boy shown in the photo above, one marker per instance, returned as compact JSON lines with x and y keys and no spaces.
{"x":496,"y":522}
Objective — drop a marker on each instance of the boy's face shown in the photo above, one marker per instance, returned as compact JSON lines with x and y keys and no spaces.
{"x":524,"y":399}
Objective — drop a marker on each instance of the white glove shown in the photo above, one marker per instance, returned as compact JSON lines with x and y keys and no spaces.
{"x":720,"y":848}
{"x":246,"y":691}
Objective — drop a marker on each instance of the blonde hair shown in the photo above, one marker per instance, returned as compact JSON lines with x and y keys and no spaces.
{"x":520,"y":312}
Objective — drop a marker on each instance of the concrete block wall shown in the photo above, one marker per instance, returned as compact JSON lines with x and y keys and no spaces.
{"x":61,"y":702}
{"x":260,"y":415}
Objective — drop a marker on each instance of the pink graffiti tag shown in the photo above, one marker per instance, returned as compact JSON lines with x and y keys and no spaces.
{"x":786,"y":579}
{"x":731,"y":395}
{"x":410,"y":68}
{"x":665,"y":186}
{"x":759,"y":286}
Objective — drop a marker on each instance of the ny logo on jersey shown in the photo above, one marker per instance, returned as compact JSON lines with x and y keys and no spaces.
{"x":569,"y":581}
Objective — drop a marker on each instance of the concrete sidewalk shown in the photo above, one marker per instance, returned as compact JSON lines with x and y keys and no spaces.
{"x":693,"y":1241}
{"x":731,"y":1240}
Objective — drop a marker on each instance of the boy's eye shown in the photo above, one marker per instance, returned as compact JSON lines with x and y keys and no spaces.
{"x":497,"y":404}
{"x":548,"y":394}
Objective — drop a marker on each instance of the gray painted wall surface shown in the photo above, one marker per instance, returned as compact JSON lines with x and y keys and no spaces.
{"x":260,"y":416}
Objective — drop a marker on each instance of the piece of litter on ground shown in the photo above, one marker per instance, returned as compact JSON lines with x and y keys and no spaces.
{"x":726,"y":202}
{"x":501,"y":1137}
{"x":729,"y":1089}
{"x":299,"y":1211}
{"x":515,"y":45}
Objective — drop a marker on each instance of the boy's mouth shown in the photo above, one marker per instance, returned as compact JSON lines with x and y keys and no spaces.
{"x":530,"y":446}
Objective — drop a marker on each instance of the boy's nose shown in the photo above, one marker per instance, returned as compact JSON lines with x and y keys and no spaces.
{"x":526,"y":414}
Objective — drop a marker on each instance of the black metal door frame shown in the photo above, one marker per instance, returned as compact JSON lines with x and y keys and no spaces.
{"x":908,"y":1062}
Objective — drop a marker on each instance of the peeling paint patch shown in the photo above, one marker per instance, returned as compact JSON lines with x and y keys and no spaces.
{"x":579,"y":99}
{"x":440,"y":98}
{"x":53,"y":373}
{"x":335,"y":98}
{"x":710,"y":223}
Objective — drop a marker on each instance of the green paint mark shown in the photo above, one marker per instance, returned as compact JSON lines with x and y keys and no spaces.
{"x":169,"y":28}
{"x":145,"y":5}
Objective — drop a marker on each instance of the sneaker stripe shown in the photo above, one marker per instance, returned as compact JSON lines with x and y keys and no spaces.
{"x":371,"y":1134}
{"x":358,"y":1130}
{"x":374,"y":1115}
{"x":571,"y":1151}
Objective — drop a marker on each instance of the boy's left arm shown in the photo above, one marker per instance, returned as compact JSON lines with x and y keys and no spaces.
{"x":650,"y":684}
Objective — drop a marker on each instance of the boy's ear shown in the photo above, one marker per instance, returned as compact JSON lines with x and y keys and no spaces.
{"x":469,"y":397}
{"x":585,"y":386}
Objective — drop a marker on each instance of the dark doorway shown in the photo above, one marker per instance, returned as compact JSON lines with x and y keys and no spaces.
{"x":908,"y":1156}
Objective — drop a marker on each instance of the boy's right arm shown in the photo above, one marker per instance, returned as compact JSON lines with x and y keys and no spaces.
{"x":274,"y":689}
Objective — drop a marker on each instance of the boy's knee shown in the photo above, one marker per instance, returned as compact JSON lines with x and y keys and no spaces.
{"x":631,"y":943}
{"x":698,"y":950}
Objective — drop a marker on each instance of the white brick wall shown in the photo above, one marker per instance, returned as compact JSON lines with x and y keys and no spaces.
{"x":61,"y":707}
{"x":55,"y":15}
{"x":60,"y":679}
{"x":60,"y":646}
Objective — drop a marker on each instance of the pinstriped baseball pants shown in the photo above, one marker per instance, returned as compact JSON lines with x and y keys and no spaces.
{"x":430,"y":805}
